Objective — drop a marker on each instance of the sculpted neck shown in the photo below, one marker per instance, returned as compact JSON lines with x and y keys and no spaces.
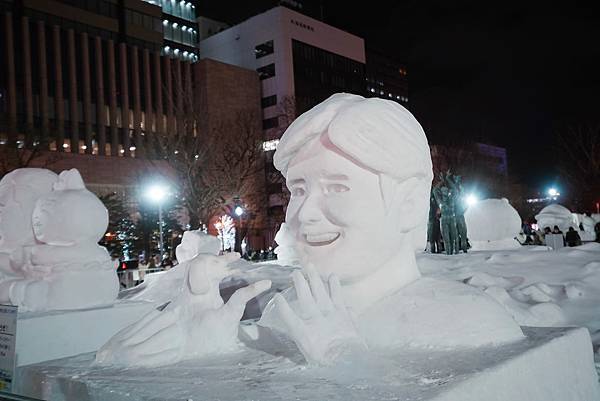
{"x":396,"y":273}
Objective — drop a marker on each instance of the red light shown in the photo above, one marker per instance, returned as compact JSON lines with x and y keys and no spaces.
{"x":123,"y":266}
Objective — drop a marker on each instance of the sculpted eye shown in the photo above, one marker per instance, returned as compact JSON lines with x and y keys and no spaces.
{"x":298,"y":191}
{"x":337,"y":188}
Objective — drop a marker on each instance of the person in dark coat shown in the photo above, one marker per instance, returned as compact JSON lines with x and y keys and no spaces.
{"x":572,"y":237}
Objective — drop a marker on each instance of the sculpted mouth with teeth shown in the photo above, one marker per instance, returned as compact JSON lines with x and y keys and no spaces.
{"x":318,"y":239}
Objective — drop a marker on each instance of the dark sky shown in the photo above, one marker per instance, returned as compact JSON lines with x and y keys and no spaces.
{"x":509,"y":74}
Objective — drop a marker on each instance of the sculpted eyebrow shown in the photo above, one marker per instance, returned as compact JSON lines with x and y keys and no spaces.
{"x":335,"y":177}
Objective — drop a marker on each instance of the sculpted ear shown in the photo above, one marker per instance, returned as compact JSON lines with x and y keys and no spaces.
{"x":406,"y":202}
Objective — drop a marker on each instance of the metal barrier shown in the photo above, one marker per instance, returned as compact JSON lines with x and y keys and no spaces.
{"x":132,"y":277}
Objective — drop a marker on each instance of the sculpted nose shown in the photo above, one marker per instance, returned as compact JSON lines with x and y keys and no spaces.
{"x":310,"y":211}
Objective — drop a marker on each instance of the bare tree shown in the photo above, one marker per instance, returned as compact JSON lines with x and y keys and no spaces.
{"x":13,"y":157}
{"x":579,"y":163}
{"x":214,"y":163}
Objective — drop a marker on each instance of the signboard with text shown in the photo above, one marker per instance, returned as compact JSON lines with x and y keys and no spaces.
{"x":8,"y":336}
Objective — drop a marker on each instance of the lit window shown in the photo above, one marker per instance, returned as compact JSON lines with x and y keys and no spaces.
{"x":270,"y":145}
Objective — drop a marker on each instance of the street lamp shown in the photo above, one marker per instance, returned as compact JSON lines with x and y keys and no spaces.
{"x":239,"y":211}
{"x":157,"y":194}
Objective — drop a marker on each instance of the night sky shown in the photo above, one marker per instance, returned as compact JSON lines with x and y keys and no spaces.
{"x":505,"y":74}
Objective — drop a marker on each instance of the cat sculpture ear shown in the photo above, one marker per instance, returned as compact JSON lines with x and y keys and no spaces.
{"x":69,"y":179}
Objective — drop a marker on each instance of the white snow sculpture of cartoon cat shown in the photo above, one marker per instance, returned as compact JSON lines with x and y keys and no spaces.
{"x":65,"y":268}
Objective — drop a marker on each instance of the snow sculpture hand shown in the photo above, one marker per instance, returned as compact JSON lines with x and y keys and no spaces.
{"x":196,"y":323}
{"x":323,"y":330}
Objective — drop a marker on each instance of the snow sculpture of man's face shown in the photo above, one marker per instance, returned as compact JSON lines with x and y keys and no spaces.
{"x":19,"y":191}
{"x":337,"y":213}
{"x":359,"y":173}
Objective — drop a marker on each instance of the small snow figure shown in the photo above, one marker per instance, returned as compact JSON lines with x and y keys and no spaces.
{"x":195,"y":323}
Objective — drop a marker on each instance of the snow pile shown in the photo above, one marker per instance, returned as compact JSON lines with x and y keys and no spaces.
{"x":537,"y":286}
{"x":492,"y":224}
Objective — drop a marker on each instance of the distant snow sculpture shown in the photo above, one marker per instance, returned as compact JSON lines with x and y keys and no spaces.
{"x":555,"y":215}
{"x":50,"y":256}
{"x":493,"y":224}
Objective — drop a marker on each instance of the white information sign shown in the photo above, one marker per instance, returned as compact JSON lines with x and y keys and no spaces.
{"x":8,"y":337}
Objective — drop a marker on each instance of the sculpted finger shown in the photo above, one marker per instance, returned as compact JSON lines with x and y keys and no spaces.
{"x":318,"y":289}
{"x":160,"y":341}
{"x":163,"y":320}
{"x":335,"y":289}
{"x":294,"y":325}
{"x":306,"y":301}
{"x":239,"y":299}
{"x":135,"y":327}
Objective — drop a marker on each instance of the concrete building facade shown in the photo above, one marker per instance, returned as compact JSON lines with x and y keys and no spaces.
{"x":86,"y":85}
{"x":291,"y":52}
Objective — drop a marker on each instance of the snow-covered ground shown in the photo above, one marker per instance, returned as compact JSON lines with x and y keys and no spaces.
{"x":568,"y":279}
{"x":539,"y":286}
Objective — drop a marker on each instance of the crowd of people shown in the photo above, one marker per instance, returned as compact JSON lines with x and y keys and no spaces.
{"x":539,"y":236}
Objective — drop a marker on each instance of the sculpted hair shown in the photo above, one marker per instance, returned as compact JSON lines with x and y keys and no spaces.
{"x":379,"y":134}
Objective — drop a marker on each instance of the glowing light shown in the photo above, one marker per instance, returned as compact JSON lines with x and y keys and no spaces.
{"x":270,"y":145}
{"x":157,"y":193}
{"x":132,"y":148}
{"x":553,"y":192}
{"x":65,"y":145}
{"x":471,"y":199}
{"x":239,"y":210}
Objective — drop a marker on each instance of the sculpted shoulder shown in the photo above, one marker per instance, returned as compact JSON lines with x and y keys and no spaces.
{"x":439,"y":314}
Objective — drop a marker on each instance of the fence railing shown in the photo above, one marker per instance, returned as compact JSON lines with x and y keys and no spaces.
{"x":132,"y":277}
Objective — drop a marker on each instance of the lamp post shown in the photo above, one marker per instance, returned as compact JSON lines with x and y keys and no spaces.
{"x":239,"y":211}
{"x":156,"y":194}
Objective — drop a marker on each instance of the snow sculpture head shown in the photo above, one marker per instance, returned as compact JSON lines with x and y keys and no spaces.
{"x":359,"y":172}
{"x":70,"y":214}
{"x":194,"y":243}
{"x":19,"y":191}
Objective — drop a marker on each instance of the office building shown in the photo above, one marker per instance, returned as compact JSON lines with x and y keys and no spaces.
{"x":88,"y":77}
